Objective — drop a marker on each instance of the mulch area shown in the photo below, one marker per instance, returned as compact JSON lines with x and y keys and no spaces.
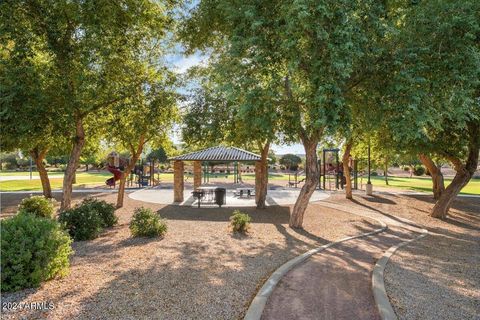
{"x":9,"y":201}
{"x":437,"y":277}
{"x":199,"y":270}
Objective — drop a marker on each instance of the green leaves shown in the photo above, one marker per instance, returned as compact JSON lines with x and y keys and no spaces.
{"x":288,"y":59}
{"x":69,"y":59}
{"x":429,"y":97}
{"x":34,"y":250}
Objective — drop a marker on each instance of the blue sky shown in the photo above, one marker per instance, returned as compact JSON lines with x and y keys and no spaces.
{"x":181,"y":63}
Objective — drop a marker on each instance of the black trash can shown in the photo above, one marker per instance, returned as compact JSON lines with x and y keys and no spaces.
{"x":220,"y":196}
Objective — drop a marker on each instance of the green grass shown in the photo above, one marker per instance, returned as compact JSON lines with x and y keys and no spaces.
{"x":56,"y":181}
{"x":88,"y":179}
{"x":251,"y":176}
{"x":422,"y":184}
{"x":26,"y":173}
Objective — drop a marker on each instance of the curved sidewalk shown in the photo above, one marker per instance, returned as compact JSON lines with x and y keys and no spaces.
{"x":337,"y":282}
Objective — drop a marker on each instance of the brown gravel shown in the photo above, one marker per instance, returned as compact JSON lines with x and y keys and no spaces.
{"x":437,"y":277}
{"x":198,"y":271}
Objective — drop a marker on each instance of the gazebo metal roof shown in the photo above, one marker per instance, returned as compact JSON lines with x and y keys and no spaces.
{"x":219,"y":153}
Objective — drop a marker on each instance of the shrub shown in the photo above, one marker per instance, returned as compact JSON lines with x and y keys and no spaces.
{"x":82,"y":222}
{"x":145,"y":223}
{"x":87,"y":220}
{"x":373,"y":173}
{"x":240,"y":221}
{"x":105,"y":210}
{"x":38,"y":205}
{"x":419,"y":171}
{"x":34,"y":249}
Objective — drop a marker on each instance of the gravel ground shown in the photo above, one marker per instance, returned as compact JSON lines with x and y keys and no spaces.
{"x":437,"y":277}
{"x":198,"y":271}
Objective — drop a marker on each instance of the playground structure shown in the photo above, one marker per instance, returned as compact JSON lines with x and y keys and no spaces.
{"x":113,"y":166}
{"x":209,"y":172}
{"x":331,"y":172}
{"x":141,"y":176}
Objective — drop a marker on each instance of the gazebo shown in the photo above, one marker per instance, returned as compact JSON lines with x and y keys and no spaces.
{"x":213,"y":154}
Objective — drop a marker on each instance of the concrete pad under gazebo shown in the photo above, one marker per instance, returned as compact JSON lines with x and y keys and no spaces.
{"x":280,"y":196}
{"x":213,"y":154}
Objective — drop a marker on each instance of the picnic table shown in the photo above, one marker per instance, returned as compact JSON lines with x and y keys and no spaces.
{"x":244,"y":191}
{"x":208,"y":192}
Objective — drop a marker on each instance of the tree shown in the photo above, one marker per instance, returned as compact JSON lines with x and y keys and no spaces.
{"x":30,"y":120}
{"x":91,"y":47}
{"x":272,"y":158}
{"x":290,"y":161}
{"x":8,"y":160}
{"x":143,"y":117}
{"x":234,"y":105}
{"x":305,"y":50}
{"x":431,"y":97}
{"x":158,"y":154}
{"x":438,"y":184}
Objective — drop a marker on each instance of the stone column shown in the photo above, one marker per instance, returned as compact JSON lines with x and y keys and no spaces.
{"x":178,"y":181}
{"x":258,"y":179}
{"x":197,"y":174}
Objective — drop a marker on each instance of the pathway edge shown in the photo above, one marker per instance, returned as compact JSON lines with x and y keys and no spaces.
{"x":255,"y":310}
{"x":378,"y":282}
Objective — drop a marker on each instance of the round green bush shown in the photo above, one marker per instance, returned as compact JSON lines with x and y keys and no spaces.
{"x":87,"y":220}
{"x":82,"y":222}
{"x":34,"y":250}
{"x":419,"y":171}
{"x":104,"y":209}
{"x":145,"y":223}
{"x":240,"y":221}
{"x":38,"y":205}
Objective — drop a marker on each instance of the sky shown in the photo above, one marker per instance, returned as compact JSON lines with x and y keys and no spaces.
{"x":181,"y":63}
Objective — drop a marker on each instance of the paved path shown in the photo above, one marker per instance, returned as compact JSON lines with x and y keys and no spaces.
{"x":337,"y":282}
{"x":279,"y":196}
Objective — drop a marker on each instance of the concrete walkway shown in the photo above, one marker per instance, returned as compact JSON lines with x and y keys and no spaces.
{"x":337,"y":282}
{"x":279,"y":196}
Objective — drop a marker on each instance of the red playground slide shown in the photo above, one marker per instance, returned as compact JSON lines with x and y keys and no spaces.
{"x":117,"y":175}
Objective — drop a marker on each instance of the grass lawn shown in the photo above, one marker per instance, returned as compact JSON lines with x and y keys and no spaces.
{"x":84,"y":179}
{"x":56,"y":181}
{"x":26,"y":173}
{"x":422,"y":184}
{"x":251,"y":176}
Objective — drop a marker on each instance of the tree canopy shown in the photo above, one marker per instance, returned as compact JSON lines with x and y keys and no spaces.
{"x":402,"y":77}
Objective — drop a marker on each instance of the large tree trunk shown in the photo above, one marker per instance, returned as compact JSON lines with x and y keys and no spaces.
{"x":311,"y":181}
{"x":262,"y":181}
{"x":436,"y":174}
{"x":38,"y":156}
{"x":78,"y":144}
{"x":346,"y":169}
{"x":135,"y":154}
{"x":463,"y":175}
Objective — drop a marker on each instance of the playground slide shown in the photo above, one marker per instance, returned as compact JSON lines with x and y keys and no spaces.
{"x":117,"y":175}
